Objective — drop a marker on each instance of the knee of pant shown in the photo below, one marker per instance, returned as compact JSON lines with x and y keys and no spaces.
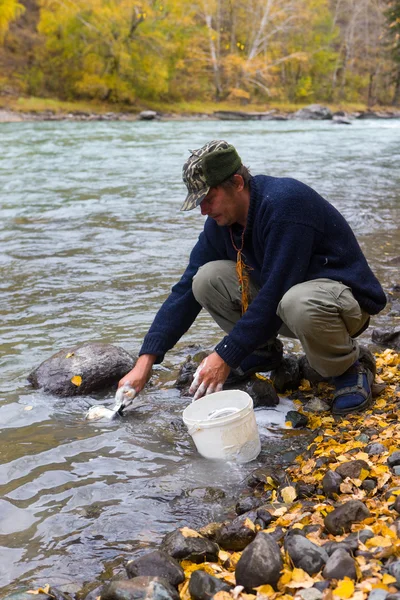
{"x":202,"y":282}
{"x":298,"y":312}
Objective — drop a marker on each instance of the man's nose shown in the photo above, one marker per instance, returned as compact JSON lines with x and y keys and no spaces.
{"x":203,"y":207}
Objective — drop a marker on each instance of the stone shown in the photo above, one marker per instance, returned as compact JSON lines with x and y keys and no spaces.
{"x":352,"y":469}
{"x":264,"y":515}
{"x":305,"y":490}
{"x":314,"y":112}
{"x":348,"y":545}
{"x":262,"y":392}
{"x":388,"y":338}
{"x":362,"y":438}
{"x":297,"y":419}
{"x":156,"y":564}
{"x":396,"y":470}
{"x":394,"y":459}
{"x":377,"y":594}
{"x":186,"y":374}
{"x":392,"y":596}
{"x":316,"y":405}
{"x":203,"y":586}
{"x":310,"y":594}
{"x":304,"y":554}
{"x":396,"y":504}
{"x":287,"y":375}
{"x":187,"y":544}
{"x":140,"y":588}
{"x":331,"y":483}
{"x":210,"y":530}
{"x":339,"y":120}
{"x":375,"y":449}
{"x":340,"y":565}
{"x":307,"y":372}
{"x":98,"y":365}
{"x":148,"y":115}
{"x":321,"y":585}
{"x":237,"y":534}
{"x":368,"y":485}
{"x":25,"y":596}
{"x":394,"y":569}
{"x":260,"y":563}
{"x":246,"y":504}
{"x":362,"y":536}
{"x":341,"y":518}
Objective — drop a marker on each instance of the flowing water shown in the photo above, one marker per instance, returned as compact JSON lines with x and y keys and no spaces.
{"x":91,"y":241}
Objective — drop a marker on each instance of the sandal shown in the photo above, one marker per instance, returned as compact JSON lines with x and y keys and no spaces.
{"x":353,"y":390}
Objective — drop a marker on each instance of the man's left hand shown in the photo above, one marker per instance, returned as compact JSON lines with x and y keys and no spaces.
{"x":210,"y":376}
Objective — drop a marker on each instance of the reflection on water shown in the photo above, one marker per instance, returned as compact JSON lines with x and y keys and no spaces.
{"x":91,"y":241}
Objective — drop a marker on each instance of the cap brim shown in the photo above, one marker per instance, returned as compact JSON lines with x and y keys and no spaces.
{"x":194,"y":199}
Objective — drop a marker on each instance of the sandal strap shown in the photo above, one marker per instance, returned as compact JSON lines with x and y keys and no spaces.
{"x":353,"y":389}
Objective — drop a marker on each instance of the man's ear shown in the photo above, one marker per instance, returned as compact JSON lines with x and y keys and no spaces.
{"x":239,"y":182}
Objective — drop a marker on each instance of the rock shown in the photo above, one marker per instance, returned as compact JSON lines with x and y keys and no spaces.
{"x":262,"y":474}
{"x":331,"y":483}
{"x":396,"y":470}
{"x":187,"y":544}
{"x":203,"y":586}
{"x":339,"y":120}
{"x":264,"y":515}
{"x":396,"y":504}
{"x":140,"y":588}
{"x":148,"y":115}
{"x":305,"y":490}
{"x":362,"y":438}
{"x":307,"y":372}
{"x":368,"y":485}
{"x":297,"y":419}
{"x":394,"y":459}
{"x":341,"y":518}
{"x":210,"y":530}
{"x":340,"y":565}
{"x":348,"y":545}
{"x":59,"y":595}
{"x":156,"y":564}
{"x":25,"y":596}
{"x":377,"y":594}
{"x":389,"y":596}
{"x":362,"y":536}
{"x":310,"y":594}
{"x":239,"y":533}
{"x":388,"y":338}
{"x":304,"y":554}
{"x":260,"y":563}
{"x":394,"y":569}
{"x":314,"y":112}
{"x":98,"y":365}
{"x":316,"y":405}
{"x":186,"y":374}
{"x":246,"y":504}
{"x":262,"y":392}
{"x":375,"y":449}
{"x":352,"y":469}
{"x":287,"y":375}
{"x":321,"y":585}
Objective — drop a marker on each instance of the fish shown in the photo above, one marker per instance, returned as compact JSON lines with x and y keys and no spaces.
{"x":124,"y":398}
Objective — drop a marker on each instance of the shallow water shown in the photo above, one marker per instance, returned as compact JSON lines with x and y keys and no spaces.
{"x":91,"y":241}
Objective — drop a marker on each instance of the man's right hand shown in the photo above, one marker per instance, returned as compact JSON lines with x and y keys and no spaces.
{"x":140,"y":374}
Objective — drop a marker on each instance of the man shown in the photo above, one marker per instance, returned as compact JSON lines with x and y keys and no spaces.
{"x":274,"y":257}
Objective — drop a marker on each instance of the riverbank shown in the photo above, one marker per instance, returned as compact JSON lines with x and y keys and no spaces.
{"x":36,"y":109}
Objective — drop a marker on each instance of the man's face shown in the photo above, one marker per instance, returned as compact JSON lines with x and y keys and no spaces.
{"x":222,"y":205}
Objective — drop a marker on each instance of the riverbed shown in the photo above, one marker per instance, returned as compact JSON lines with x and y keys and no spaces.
{"x":91,"y":241}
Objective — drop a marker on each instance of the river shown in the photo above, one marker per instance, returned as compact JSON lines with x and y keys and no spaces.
{"x":91,"y":240}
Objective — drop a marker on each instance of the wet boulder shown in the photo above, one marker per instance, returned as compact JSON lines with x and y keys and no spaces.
{"x":304,"y":554}
{"x":82,"y":369}
{"x":187,"y":544}
{"x":341,"y":518}
{"x":156,"y":564}
{"x":340,"y":565}
{"x":260,"y":563}
{"x":314,"y":112}
{"x":261,"y":391}
{"x":140,"y":588}
{"x":287,"y":376}
{"x":148,"y":115}
{"x":388,"y":338}
{"x":246,"y":504}
{"x":237,"y":534}
{"x":203,"y":586}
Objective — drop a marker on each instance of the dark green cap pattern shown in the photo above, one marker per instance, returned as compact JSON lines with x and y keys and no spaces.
{"x":207,"y":167}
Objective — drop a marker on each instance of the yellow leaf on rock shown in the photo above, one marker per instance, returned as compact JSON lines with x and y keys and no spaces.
{"x":288,"y":494}
{"x":379,"y":541}
{"x":186,"y":532}
{"x":266,"y":589}
{"x":387,"y":579}
{"x":28,"y":407}
{"x":76,"y":380}
{"x":41,"y":590}
{"x":345,"y":589}
{"x":69,"y":355}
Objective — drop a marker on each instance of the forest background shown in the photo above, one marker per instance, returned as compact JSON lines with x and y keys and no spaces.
{"x":243,"y":52}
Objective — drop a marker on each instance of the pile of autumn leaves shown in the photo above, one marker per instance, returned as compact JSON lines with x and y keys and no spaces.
{"x":337,"y":440}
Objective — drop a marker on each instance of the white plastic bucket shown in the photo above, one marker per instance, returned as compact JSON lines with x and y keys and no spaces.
{"x":223,"y":426}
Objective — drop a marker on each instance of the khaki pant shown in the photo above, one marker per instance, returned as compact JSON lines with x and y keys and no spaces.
{"x":323,"y":314}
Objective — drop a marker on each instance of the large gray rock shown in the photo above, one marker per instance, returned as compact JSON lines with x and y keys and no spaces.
{"x":341,"y":518}
{"x":304,"y":554}
{"x":203,"y":586}
{"x":314,"y":112}
{"x":340,"y":565}
{"x":156,"y":564}
{"x":262,"y":392}
{"x":246,"y":504}
{"x":388,"y":338}
{"x":140,"y":588}
{"x":331,"y":483}
{"x":181,"y":544}
{"x":287,"y":376}
{"x":260,"y":563}
{"x":237,"y":534}
{"x":98,"y":365}
{"x":352,"y":469}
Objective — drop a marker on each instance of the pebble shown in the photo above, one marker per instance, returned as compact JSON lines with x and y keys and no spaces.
{"x":396,"y":470}
{"x":368,"y":485}
{"x":377,"y":594}
{"x":362,"y":437}
{"x":203,"y":586}
{"x":340,"y":565}
{"x":156,"y":564}
{"x":352,"y":468}
{"x":297,"y":419}
{"x":310,"y":594}
{"x":236,"y":535}
{"x":331,"y":483}
{"x":341,"y":518}
{"x":196,"y":548}
{"x":394,"y":459}
{"x":304,"y":554}
{"x":246,"y":504}
{"x":394,"y":569}
{"x":375,"y":449}
{"x":260,"y":563}
{"x":140,"y":588}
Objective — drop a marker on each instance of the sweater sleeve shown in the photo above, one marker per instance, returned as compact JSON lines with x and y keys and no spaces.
{"x":180,"y":309}
{"x":287,"y":255}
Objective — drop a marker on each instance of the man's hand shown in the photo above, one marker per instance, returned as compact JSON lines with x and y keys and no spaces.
{"x":210,"y":376}
{"x":138,"y":377}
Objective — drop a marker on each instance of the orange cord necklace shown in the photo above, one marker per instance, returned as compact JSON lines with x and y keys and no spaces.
{"x":242,"y":272}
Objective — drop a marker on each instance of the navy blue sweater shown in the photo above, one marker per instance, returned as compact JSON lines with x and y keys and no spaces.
{"x":292,"y":235}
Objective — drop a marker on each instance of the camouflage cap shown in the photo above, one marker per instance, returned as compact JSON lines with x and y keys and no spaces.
{"x":206,"y":167}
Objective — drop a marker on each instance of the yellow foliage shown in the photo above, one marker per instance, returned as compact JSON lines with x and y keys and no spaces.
{"x":76,"y":380}
{"x":344,"y":589}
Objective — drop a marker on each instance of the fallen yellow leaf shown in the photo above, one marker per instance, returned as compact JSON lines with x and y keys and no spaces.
{"x":186,"y":532}
{"x":28,"y":407}
{"x":386,"y":579}
{"x":345,"y":589}
{"x":379,"y":541}
{"x":70,"y":354}
{"x":76,"y":380}
{"x":288,"y":494}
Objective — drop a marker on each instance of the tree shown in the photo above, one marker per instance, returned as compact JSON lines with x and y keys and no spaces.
{"x":10,"y":10}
